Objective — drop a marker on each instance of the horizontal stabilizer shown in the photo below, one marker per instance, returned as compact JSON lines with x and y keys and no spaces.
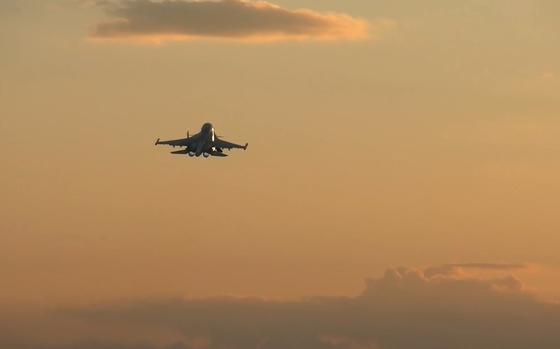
{"x":157,"y":142}
{"x":218,"y":154}
{"x":184,"y":151}
{"x":246,"y":145}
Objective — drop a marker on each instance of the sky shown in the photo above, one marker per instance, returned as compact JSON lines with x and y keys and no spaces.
{"x":381,"y":134}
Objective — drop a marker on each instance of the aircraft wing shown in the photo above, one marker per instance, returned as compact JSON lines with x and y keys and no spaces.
{"x":184,"y":142}
{"x":218,"y":143}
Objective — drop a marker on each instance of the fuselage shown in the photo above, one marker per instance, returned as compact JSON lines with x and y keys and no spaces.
{"x":207,"y":137}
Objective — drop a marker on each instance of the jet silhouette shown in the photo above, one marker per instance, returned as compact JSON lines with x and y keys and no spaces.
{"x":205,"y":143}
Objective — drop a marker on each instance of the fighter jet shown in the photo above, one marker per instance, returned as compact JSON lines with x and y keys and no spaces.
{"x":205,"y":143}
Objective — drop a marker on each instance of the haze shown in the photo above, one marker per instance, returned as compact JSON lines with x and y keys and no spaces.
{"x":431,"y":140}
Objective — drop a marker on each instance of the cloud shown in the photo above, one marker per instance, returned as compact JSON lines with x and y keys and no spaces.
{"x":447,"y":269}
{"x":405,"y":308}
{"x":238,"y":20}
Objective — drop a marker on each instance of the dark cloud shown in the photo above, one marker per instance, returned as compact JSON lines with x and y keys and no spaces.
{"x":492,"y":266}
{"x":406,"y":308}
{"x":447,"y":269}
{"x":227,"y":19}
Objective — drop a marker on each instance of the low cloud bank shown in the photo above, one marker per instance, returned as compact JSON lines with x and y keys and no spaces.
{"x":238,"y":20}
{"x":405,"y":308}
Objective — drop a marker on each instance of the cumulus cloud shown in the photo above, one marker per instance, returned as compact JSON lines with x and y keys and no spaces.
{"x":405,"y":308}
{"x":240,"y":20}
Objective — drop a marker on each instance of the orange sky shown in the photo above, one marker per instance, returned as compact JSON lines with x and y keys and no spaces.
{"x":434,"y":141}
